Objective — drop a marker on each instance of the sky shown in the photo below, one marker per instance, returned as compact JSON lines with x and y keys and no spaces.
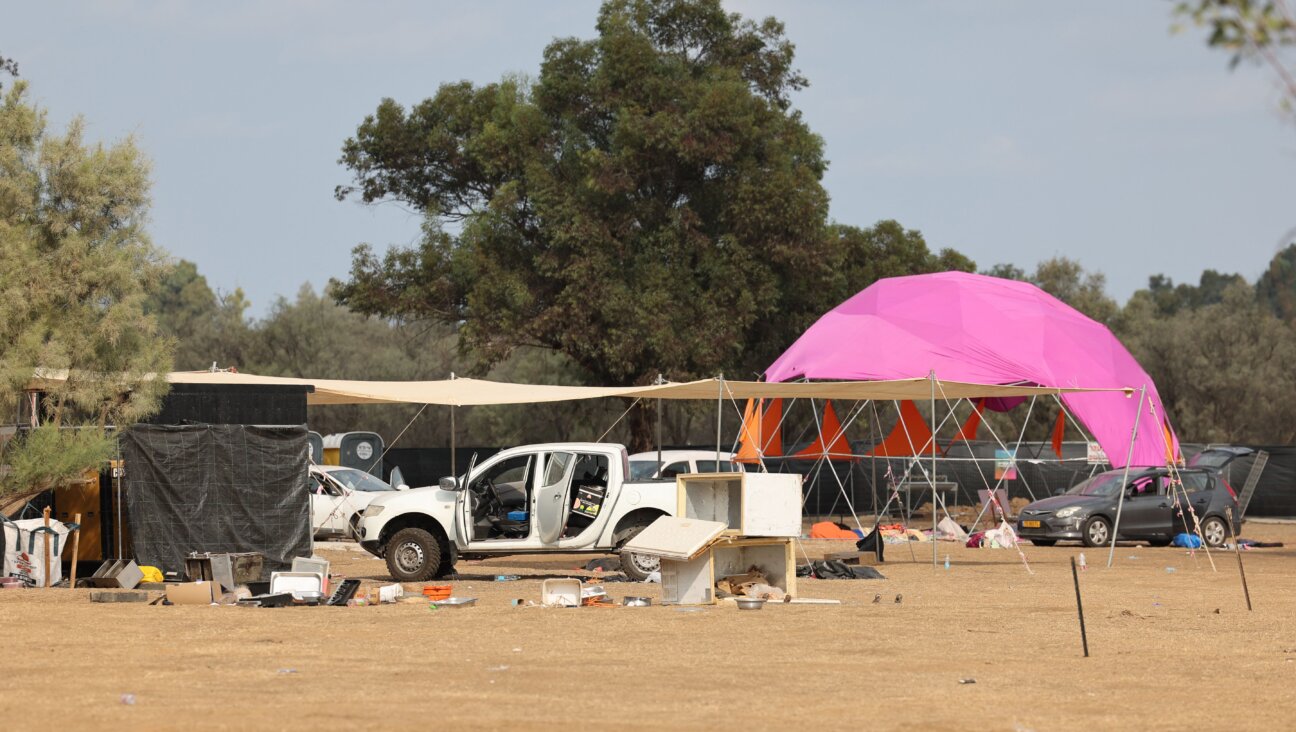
{"x":1013,"y":131}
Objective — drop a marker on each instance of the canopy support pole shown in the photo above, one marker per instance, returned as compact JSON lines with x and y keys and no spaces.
{"x":454,"y":471}
{"x":659,"y":429}
{"x":719,"y":413}
{"x":931,"y":375}
{"x":1129,"y":455}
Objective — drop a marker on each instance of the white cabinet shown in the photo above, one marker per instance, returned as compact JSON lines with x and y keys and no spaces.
{"x":693,"y":581}
{"x":749,"y":504}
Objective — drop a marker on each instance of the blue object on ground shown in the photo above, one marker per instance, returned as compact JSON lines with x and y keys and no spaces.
{"x":1187,"y":541}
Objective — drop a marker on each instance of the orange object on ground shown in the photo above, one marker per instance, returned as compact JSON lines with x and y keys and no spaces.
{"x":910,"y":436}
{"x":830,"y":428}
{"x":436,"y":592}
{"x":829,"y":530}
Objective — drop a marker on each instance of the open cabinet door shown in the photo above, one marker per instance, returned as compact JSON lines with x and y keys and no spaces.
{"x":552,"y":498}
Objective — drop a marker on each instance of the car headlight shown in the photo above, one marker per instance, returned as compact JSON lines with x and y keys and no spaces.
{"x":1068,"y":512}
{"x":372,"y":510}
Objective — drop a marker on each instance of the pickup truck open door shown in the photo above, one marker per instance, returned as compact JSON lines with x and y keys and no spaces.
{"x":553,"y":497}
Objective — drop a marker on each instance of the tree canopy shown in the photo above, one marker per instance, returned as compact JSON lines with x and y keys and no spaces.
{"x":650,"y":204}
{"x":75,"y":267}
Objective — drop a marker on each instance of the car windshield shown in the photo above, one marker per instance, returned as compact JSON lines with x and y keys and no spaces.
{"x":643,"y":469}
{"x":1103,"y":484}
{"x":358,"y":480}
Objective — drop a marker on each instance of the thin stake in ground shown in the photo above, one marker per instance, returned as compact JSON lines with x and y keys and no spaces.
{"x":1075,"y":577}
{"x":1238,"y":551}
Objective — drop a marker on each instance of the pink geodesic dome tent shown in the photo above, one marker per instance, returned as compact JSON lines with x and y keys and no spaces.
{"x":985,"y":330}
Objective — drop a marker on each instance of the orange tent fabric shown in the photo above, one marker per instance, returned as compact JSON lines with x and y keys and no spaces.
{"x":750,"y":437}
{"x":968,"y":431}
{"x":771,"y":432}
{"x":1059,"y":430}
{"x":910,"y":436}
{"x":829,"y":428}
{"x":1170,"y":455}
{"x":761,"y":435}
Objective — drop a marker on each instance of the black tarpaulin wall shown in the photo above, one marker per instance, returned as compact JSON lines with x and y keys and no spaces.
{"x":217,"y":488}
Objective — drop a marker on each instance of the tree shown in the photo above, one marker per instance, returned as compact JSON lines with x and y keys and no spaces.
{"x":1263,"y":31}
{"x":651,"y":204}
{"x":1066,"y":280}
{"x":75,"y":266}
{"x":8,"y":66}
{"x":1170,"y":298}
{"x":209,"y":327}
{"x":1276,"y":287}
{"x":1222,"y":370}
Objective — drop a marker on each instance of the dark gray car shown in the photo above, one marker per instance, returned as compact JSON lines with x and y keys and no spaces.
{"x":1151,"y":512}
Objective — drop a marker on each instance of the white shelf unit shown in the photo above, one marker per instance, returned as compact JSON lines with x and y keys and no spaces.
{"x":693,"y":581}
{"x":749,"y":504}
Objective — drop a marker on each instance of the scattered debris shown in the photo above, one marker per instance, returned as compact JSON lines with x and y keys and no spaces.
{"x":968,"y":680}
{"x":898,"y":598}
{"x":128,"y":699}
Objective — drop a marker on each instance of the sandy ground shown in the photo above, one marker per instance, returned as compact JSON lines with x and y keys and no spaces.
{"x":1169,"y":650}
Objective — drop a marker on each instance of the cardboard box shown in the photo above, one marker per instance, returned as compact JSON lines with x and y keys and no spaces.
{"x":194,"y":593}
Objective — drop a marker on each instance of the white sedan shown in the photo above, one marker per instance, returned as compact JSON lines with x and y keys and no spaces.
{"x":338,"y":495}
{"x":645,"y":465}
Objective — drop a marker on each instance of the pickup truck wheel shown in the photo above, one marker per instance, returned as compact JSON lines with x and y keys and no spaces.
{"x":637,"y":566}
{"x":413,"y":555}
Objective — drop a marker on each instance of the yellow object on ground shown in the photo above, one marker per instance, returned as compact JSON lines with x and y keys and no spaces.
{"x":151,"y":574}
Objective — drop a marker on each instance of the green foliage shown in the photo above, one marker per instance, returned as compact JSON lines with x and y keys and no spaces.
{"x":651,"y":204}
{"x":1223,"y":370}
{"x":75,"y":266}
{"x":1277,"y":286}
{"x":209,"y":328}
{"x":1066,"y":280}
{"x":1170,"y":298}
{"x":49,"y":455}
{"x":8,"y":66}
{"x":1263,"y":31}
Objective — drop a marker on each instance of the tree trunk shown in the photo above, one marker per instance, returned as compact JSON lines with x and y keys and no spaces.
{"x":643,"y":426}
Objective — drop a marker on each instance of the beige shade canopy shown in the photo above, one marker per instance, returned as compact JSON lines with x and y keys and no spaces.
{"x":469,"y":392}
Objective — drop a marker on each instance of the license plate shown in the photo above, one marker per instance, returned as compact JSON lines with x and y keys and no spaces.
{"x":1030,"y":524}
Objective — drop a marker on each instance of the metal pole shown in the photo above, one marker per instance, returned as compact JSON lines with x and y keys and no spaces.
{"x":454,"y":472}
{"x":719,"y":412}
{"x":932,"y":377}
{"x":659,"y":431}
{"x":1120,"y":502}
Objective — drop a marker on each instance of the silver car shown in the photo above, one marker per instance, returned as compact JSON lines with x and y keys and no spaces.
{"x":1152,"y":511}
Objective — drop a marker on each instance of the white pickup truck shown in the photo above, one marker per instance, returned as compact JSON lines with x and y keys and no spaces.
{"x":560,"y":497}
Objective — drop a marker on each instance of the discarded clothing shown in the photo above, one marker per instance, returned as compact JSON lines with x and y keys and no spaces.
{"x":1187,"y":541}
{"x":1253,"y":544}
{"x":947,"y":530}
{"x":871,"y":543}
{"x":831,"y":530}
{"x":606,"y":564}
{"x":836,"y":569}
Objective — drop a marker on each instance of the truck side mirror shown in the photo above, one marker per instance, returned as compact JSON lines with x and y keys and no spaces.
{"x":448,"y":483}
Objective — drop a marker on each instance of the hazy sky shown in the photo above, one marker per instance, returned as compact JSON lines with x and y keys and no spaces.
{"x":1012,"y":131}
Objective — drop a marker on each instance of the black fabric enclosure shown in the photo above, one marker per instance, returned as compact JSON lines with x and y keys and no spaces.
{"x":217,"y":488}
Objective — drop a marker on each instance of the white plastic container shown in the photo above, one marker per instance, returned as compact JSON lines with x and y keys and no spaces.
{"x":560,"y":593}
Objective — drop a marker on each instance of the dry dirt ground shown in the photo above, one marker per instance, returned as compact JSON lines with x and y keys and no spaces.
{"x":1169,"y":650}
